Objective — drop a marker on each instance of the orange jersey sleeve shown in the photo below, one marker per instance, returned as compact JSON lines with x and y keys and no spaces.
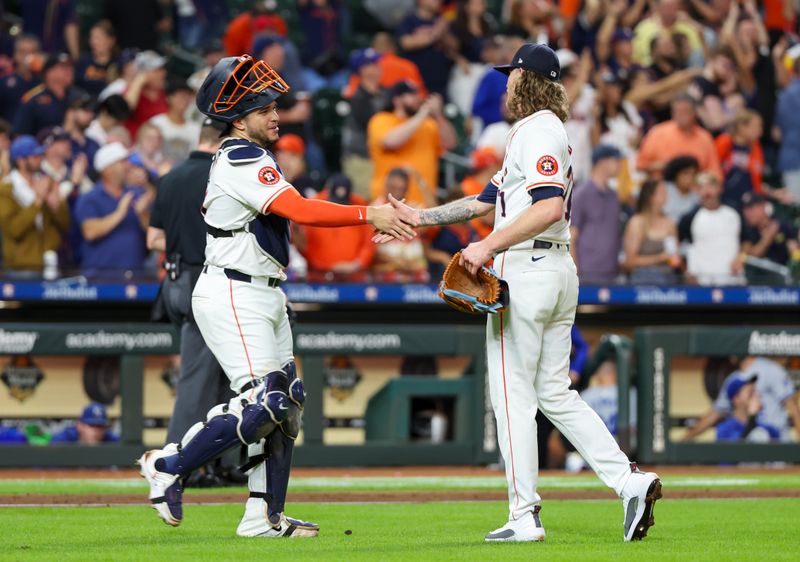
{"x":293,"y":206}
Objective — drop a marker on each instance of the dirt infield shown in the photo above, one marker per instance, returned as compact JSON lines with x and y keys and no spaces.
{"x":388,"y":496}
{"x":376,"y":497}
{"x":442,"y":471}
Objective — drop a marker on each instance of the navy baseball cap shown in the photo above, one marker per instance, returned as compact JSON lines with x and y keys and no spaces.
{"x":49,"y":135}
{"x":537,"y":58}
{"x":95,"y":414}
{"x":622,"y":34}
{"x":363,"y":57}
{"x":339,"y":187}
{"x":603,"y":151}
{"x":402,"y":87}
{"x":56,"y":59}
{"x":128,"y":56}
{"x":737,"y":382}
{"x":25,"y":146}
{"x":751,"y":198}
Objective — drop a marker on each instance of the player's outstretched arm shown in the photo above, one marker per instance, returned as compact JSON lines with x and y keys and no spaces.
{"x":462,"y":210}
{"x":316,"y":212}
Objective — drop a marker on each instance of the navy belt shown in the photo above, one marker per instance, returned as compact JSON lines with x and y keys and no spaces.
{"x":219,"y":233}
{"x":248,"y":386}
{"x":544,"y":245}
{"x":244,"y":277}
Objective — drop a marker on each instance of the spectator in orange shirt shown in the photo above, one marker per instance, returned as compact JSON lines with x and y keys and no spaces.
{"x":410,"y":130}
{"x":485,"y":162}
{"x":741,"y":157}
{"x":393,"y":68}
{"x":261,"y":19}
{"x":345,"y":252}
{"x":399,"y":261}
{"x":680,"y":136}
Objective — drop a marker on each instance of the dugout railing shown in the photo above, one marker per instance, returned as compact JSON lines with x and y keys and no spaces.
{"x":474,"y":441}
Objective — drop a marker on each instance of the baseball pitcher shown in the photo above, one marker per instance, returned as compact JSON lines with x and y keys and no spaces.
{"x":528,"y":342}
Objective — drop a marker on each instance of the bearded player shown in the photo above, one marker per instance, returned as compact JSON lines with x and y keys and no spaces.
{"x":239,"y":308}
{"x":528,"y":345}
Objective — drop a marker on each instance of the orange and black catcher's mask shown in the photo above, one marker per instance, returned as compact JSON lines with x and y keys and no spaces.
{"x":238,"y":85}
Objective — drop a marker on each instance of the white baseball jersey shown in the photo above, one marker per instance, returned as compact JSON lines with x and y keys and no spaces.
{"x":243,"y":182}
{"x":537,"y":156}
{"x":528,"y":345}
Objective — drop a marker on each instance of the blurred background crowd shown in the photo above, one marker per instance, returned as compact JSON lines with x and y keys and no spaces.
{"x":685,"y":127}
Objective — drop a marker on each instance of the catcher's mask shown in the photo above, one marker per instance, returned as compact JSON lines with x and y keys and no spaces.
{"x":238,"y":85}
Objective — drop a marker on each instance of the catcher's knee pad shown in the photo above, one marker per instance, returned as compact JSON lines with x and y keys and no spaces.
{"x":297,"y":399}
{"x":263,"y":413}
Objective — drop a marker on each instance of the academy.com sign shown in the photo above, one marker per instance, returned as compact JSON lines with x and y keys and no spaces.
{"x":782,"y":343}
{"x":17,"y":342}
{"x":357,"y":342}
{"x":118,"y":340}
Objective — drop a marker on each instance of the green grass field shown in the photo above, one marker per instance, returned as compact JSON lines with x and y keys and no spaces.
{"x":686,"y":530}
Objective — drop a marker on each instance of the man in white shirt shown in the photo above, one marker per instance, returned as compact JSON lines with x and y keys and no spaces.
{"x":713,"y":232}
{"x":180,"y":134}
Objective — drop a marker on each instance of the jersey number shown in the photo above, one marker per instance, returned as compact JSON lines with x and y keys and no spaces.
{"x":502,"y":204}
{"x":568,"y":210}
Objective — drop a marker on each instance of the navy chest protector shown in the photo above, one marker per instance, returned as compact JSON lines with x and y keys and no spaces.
{"x":271,"y":231}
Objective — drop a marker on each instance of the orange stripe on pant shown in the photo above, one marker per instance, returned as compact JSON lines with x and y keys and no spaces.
{"x":239,"y":327}
{"x":505,"y":396}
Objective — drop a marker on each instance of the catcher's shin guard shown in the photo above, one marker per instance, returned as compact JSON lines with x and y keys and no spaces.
{"x":269,"y":467}
{"x":280,"y":444}
{"x":247,"y":418}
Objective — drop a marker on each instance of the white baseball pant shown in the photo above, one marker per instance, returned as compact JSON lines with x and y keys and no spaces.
{"x":244,"y":325}
{"x":528,"y":349}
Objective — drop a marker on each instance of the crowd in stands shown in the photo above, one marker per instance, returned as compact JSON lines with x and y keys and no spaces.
{"x":684,"y":126}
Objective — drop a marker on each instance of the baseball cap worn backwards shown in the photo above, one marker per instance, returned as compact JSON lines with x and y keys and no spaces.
{"x":540,"y":59}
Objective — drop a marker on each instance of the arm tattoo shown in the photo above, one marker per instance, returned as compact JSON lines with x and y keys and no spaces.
{"x":457,"y":211}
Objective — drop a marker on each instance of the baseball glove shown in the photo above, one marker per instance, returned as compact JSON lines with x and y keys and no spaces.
{"x":484,"y":293}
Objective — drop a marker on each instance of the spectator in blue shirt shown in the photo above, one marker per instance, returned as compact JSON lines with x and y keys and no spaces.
{"x":324,"y":24}
{"x":99,"y":67}
{"x":79,"y":115}
{"x":113,"y":217}
{"x":91,"y":429}
{"x":787,"y":120}
{"x":45,"y":105}
{"x":12,"y":435}
{"x":422,"y":36}
{"x":745,"y":407}
{"x":27,"y":54}
{"x":54,"y":22}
